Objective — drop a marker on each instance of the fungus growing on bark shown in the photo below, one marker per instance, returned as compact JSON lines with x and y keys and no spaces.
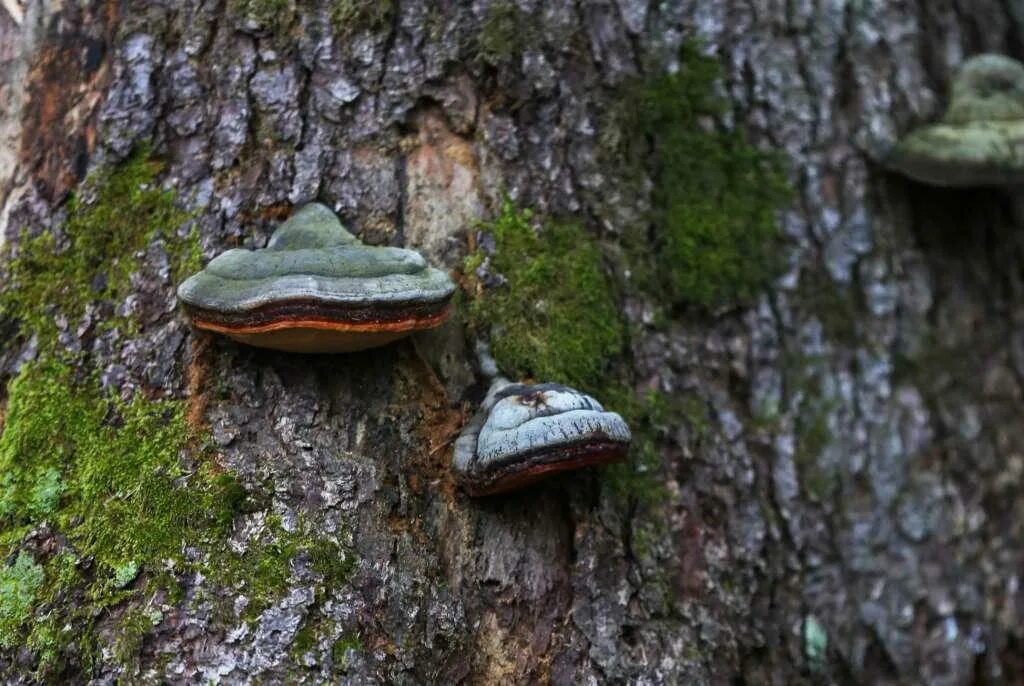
{"x":526,"y":432}
{"x":317,"y":288}
{"x":980,"y":141}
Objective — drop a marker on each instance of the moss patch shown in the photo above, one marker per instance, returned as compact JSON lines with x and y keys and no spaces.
{"x":118,"y":462}
{"x":834,"y":305}
{"x":118,"y":498}
{"x":812,"y":438}
{"x":811,"y":429}
{"x":273,"y":15}
{"x":121,"y":462}
{"x":352,"y":16}
{"x":19,"y":583}
{"x":715,"y":238}
{"x":265,"y":567}
{"x":652,"y":418}
{"x":341,"y":648}
{"x":554,"y":317}
{"x":316,"y":635}
{"x":504,"y":33}
{"x":119,"y":213}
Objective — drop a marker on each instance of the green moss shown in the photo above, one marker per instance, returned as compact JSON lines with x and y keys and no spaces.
{"x":117,"y":462}
{"x":19,"y":584}
{"x":135,"y":624}
{"x":353,"y":16}
{"x":834,"y":305}
{"x":46,"y":492}
{"x":185,"y":255}
{"x":263,"y":575}
{"x":811,"y":428}
{"x":273,"y":15}
{"x":316,"y":630}
{"x":87,"y":462}
{"x":340,"y":651}
{"x":117,"y":215}
{"x":40,"y":499}
{"x":555,"y":317}
{"x":266,"y":565}
{"x":812,"y":437}
{"x":305,"y":640}
{"x":651,"y":418}
{"x":715,"y":238}
{"x":504,"y":33}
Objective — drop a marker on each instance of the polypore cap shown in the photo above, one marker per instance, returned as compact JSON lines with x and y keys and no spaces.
{"x":316,"y":288}
{"x":312,"y":226}
{"x":987,"y":88}
{"x":524,"y":433}
{"x":980,"y":141}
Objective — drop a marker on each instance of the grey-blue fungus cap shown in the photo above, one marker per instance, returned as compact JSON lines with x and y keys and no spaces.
{"x":526,"y":432}
{"x":317,"y":288}
{"x":980,"y":141}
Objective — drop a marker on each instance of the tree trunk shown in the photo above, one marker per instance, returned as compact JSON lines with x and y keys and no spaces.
{"x":838,"y":501}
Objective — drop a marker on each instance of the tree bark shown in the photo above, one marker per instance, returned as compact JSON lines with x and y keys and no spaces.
{"x":895,"y":330}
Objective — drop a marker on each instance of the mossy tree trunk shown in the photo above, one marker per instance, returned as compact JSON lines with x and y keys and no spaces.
{"x":825,"y":381}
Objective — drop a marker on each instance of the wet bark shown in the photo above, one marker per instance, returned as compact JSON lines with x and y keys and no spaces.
{"x":896,"y":328}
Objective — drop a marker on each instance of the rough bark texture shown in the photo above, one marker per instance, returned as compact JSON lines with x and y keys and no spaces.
{"x":870,"y":530}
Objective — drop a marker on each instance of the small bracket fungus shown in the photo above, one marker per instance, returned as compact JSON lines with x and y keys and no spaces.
{"x":980,"y":141}
{"x":316,"y":288}
{"x":524,"y":433}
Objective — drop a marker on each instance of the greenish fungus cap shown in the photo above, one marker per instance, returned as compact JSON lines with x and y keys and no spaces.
{"x":526,"y":432}
{"x":980,"y":141}
{"x":317,"y":288}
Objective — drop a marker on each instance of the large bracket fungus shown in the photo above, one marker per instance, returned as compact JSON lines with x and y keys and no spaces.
{"x":317,"y":288}
{"x":523,"y":433}
{"x":980,"y":141}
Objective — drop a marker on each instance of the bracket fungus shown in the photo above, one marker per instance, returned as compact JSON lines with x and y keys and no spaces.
{"x":317,"y":288}
{"x":980,"y":141}
{"x":526,"y":432}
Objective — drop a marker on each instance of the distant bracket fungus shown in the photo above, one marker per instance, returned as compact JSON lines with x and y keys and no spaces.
{"x":317,"y":288}
{"x":526,"y":432}
{"x":980,"y":141}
